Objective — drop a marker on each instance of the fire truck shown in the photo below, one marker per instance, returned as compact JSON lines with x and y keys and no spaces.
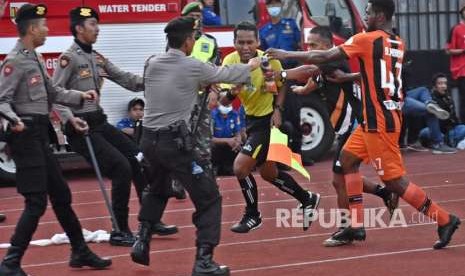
{"x":132,"y":30}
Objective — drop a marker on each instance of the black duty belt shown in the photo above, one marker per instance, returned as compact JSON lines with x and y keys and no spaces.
{"x":161,"y":134}
{"x":35,"y":119}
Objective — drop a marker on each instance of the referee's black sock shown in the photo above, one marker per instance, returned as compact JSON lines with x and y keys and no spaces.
{"x":287,"y":184}
{"x":249,"y":190}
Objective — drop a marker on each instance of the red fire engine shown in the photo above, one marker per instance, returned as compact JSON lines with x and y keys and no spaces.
{"x":132,"y":30}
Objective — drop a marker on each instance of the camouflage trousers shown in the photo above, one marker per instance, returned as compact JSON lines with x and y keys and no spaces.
{"x":203,"y":136}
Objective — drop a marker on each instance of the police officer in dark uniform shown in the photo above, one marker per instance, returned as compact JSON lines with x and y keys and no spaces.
{"x":81,"y":67}
{"x":26,"y":96}
{"x":172,"y":81}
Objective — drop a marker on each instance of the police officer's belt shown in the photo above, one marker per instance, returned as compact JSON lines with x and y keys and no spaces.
{"x":167,"y":133}
{"x":35,"y":119}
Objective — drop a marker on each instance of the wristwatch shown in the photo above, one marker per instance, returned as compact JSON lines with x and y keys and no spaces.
{"x":283,"y":75}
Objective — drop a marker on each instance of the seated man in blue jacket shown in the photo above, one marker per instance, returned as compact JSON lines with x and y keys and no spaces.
{"x":226,"y":140}
{"x":452,"y":131}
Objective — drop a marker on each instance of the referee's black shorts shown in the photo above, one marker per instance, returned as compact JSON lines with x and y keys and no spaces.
{"x":258,"y":138}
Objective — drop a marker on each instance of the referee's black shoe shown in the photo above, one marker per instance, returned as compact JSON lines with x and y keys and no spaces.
{"x":205,"y":266}
{"x":445,"y":232}
{"x":248,"y":223}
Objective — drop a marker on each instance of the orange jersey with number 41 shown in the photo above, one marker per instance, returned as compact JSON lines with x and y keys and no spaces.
{"x":381,"y":55}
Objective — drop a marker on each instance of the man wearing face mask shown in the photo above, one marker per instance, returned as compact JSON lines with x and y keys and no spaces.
{"x":280,"y":33}
{"x":226,"y":138}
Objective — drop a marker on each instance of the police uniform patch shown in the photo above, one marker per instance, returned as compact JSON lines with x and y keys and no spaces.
{"x":84,"y":73}
{"x":85,"y":12}
{"x":64,"y":61}
{"x":35,"y":80}
{"x":40,"y":10}
{"x":7,"y":70}
{"x":205,"y":47}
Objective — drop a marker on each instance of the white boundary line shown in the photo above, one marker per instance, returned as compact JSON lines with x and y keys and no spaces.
{"x":223,"y":222}
{"x":232,"y":190}
{"x":390,"y":253}
{"x":307,"y":184}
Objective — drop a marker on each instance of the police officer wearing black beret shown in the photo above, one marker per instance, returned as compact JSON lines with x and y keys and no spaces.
{"x":26,"y":97}
{"x":81,"y":67}
{"x":172,"y":81}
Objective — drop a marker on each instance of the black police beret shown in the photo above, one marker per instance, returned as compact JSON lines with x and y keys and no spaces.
{"x":82,"y":13}
{"x":28,"y":12}
{"x":182,"y":24}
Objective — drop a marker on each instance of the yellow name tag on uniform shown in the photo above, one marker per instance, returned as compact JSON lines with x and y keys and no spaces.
{"x":84,"y":73}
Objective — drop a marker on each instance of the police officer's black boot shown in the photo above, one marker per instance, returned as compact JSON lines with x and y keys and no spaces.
{"x":162,"y":229}
{"x":204,"y":264}
{"x":141,"y":249}
{"x":83,"y":256}
{"x":178,"y":190}
{"x":124,"y":237}
{"x":11,"y":264}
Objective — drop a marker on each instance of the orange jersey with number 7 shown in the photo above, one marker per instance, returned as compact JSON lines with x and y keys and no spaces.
{"x":380,"y":55}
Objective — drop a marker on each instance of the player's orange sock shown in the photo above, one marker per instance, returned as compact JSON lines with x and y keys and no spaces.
{"x":354,"y":187}
{"x":417,"y":197}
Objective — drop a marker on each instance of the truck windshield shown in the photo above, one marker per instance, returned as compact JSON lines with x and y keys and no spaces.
{"x":335,"y":14}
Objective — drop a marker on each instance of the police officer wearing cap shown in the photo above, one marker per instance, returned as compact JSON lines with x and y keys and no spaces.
{"x":26,"y":97}
{"x":205,"y":50}
{"x":81,"y":67}
{"x":172,"y":81}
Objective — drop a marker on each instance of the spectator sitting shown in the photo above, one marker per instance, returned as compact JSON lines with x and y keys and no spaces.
{"x":135,"y":113}
{"x":210,"y":18}
{"x":226,"y":142}
{"x":453,"y":131}
{"x":418,"y":103}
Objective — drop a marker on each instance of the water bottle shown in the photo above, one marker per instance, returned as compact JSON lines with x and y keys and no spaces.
{"x":270,"y":84}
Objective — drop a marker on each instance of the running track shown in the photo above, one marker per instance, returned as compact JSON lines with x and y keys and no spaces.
{"x":269,"y":250}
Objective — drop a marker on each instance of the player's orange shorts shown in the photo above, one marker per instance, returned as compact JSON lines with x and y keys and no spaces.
{"x":379,"y":148}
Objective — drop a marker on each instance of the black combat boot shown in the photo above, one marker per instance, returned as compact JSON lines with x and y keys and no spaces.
{"x":11,"y":264}
{"x":204,"y":264}
{"x":141,"y":249}
{"x":83,"y":256}
{"x":162,"y":229}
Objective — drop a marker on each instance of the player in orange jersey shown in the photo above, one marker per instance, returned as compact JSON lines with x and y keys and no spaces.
{"x":380,"y":53}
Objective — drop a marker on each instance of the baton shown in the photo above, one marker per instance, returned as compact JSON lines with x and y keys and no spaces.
{"x":100,"y":181}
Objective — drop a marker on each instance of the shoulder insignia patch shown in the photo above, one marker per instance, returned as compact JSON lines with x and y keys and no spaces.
{"x":64,"y":61}
{"x":7,"y":70}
